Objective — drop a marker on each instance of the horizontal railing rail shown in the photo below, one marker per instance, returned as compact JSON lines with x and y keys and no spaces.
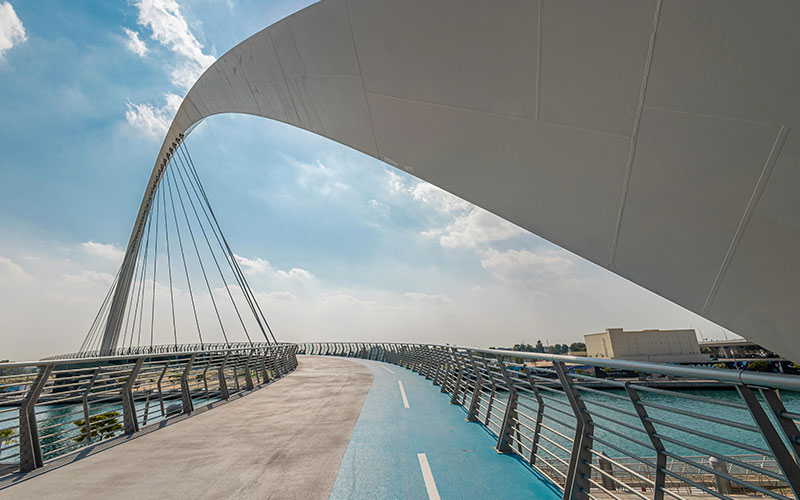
{"x":54,"y":407}
{"x":630,"y":436}
{"x":162,"y":349}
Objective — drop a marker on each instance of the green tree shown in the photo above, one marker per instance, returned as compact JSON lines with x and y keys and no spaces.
{"x":103,"y":426}
{"x":6,"y":437}
{"x":577,"y":347}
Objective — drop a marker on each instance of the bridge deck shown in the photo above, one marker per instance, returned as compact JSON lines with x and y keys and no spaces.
{"x":292,"y":440}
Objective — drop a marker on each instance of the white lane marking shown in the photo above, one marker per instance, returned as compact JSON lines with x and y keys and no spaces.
{"x":427,"y":475}
{"x":403,"y":393}
{"x":388,"y":370}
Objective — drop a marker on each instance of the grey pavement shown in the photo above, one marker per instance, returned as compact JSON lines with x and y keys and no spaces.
{"x":284,"y":441}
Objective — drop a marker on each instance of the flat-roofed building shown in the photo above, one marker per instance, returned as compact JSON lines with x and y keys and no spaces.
{"x":661,"y":346}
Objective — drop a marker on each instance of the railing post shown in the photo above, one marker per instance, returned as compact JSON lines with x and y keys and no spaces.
{"x":472,"y":414}
{"x":129,"y":418}
{"x":438,"y":365}
{"x":782,"y":456}
{"x":537,"y":427}
{"x":85,"y":401}
{"x":510,"y":415}
{"x":186,"y":396}
{"x":576,"y":486}
{"x":223,"y":384}
{"x":264,"y":372}
{"x":459,"y":378}
{"x":282,"y":361}
{"x":661,"y":458}
{"x":446,"y":369}
{"x":492,"y":395}
{"x":248,"y":378}
{"x":790,"y":431}
{"x":30,"y":450}
{"x":427,"y":363}
{"x":160,"y":392}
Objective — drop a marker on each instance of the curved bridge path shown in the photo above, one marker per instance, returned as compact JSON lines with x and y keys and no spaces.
{"x":335,"y":428}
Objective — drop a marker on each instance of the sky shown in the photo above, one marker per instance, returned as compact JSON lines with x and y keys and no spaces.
{"x":337,"y":245}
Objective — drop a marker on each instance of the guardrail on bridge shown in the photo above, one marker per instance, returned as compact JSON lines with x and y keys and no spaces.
{"x":50,"y":408}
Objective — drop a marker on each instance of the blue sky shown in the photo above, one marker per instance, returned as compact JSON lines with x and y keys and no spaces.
{"x":338,"y":245}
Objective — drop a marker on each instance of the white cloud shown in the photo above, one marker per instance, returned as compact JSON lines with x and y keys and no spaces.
{"x":295,"y":273}
{"x":395,"y":182}
{"x":381,"y":209}
{"x":319,"y":176}
{"x":425,"y":298}
{"x":471,"y":227}
{"x":88,"y":278}
{"x":153,"y":121}
{"x":134,"y":43}
{"x":110,"y":252}
{"x":281,"y":295}
{"x":11,"y":271}
{"x":170,"y":29}
{"x":439,"y":199}
{"x":532,"y":271}
{"x":477,"y":227}
{"x":259,"y":266}
{"x":253,"y":266}
{"x":12,"y":32}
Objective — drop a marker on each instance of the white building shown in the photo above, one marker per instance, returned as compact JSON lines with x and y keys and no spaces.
{"x":661,"y":346}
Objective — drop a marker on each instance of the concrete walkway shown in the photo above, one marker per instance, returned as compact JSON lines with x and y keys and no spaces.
{"x":283,"y":442}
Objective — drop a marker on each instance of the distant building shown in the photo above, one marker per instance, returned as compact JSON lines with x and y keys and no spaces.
{"x":660,"y":346}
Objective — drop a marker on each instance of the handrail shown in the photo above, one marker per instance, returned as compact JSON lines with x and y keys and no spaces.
{"x":772,"y":380}
{"x":598,"y":437}
{"x":159,"y":349}
{"x":788,"y":382}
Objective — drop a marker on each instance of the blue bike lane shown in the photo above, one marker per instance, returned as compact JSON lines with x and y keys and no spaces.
{"x":420,"y":447}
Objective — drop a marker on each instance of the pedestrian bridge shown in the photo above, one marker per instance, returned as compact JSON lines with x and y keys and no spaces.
{"x":384,"y":421}
{"x":601,"y":126}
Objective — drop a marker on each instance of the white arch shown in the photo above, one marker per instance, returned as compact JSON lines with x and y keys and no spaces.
{"x":657,"y":139}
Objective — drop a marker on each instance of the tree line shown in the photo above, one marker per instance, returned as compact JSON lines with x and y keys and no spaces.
{"x":539,"y":347}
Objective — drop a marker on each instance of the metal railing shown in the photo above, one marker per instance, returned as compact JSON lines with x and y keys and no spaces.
{"x":50,"y":408}
{"x":164,"y":348}
{"x":626,"y":436}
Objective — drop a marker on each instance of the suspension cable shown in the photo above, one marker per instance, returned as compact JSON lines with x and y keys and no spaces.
{"x":169,"y":269}
{"x":155,"y":269}
{"x":146,"y":254}
{"x":129,"y":309}
{"x":94,"y":326}
{"x":168,"y":179}
{"x":232,"y":257}
{"x":202,"y":267}
{"x":194,"y":181}
{"x":210,"y":249}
